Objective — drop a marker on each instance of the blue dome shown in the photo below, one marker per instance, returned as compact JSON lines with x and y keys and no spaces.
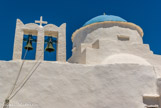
{"x":103,"y":18}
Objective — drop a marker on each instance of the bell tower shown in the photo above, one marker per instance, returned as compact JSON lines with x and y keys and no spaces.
{"x":40,"y":31}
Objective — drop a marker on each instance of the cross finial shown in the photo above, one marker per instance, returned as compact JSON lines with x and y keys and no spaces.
{"x":41,"y":21}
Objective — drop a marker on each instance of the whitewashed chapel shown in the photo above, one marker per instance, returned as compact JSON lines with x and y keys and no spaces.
{"x":110,"y":67}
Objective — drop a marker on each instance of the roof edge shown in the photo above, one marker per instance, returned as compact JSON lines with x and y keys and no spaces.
{"x":102,"y":18}
{"x":138,"y":28}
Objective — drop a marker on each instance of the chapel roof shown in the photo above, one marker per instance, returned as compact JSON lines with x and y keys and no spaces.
{"x":102,"y":18}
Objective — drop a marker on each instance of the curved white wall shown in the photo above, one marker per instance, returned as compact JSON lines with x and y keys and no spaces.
{"x":107,"y":30}
{"x":124,"y":58}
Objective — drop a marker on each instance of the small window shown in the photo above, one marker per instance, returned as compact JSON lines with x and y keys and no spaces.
{"x":123,"y":38}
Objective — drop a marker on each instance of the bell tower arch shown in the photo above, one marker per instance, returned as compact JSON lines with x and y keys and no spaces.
{"x":40,"y":31}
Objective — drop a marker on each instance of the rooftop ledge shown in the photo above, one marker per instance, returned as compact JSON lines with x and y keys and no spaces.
{"x":151,"y":95}
{"x":117,"y":23}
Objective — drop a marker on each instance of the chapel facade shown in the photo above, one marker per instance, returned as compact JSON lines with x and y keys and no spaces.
{"x":110,"y":67}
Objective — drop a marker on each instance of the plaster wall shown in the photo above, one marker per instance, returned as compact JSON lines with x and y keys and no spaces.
{"x":101,"y":49}
{"x":105,"y":31}
{"x":108,"y":48}
{"x":102,"y":40}
{"x":66,"y":85}
{"x":112,"y":33}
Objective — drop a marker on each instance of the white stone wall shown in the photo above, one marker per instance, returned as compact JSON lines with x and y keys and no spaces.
{"x":111,"y":35}
{"x":109,"y":48}
{"x":104,"y":39}
{"x":17,"y":51}
{"x":80,"y":86}
{"x":106,"y":30}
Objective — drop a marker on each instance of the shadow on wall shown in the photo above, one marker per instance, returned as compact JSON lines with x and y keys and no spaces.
{"x":125,"y":58}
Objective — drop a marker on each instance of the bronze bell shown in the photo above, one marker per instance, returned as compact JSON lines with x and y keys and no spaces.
{"x":29,"y":43}
{"x":50,"y":47}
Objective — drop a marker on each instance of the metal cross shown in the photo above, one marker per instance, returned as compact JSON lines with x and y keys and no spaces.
{"x":41,"y":21}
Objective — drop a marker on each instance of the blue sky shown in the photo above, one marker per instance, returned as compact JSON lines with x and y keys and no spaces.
{"x":145,"y":13}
